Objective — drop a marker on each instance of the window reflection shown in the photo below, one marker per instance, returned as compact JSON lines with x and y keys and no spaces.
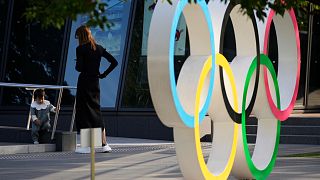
{"x":314,"y":84}
{"x":136,"y":92}
{"x":34,"y":56}
{"x":113,"y":39}
{"x":303,"y":66}
{"x":3,"y":17}
{"x":229,"y":42}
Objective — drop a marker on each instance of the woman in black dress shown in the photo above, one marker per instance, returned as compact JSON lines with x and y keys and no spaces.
{"x":88,"y":113}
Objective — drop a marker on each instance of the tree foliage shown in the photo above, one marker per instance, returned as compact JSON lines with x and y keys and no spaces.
{"x":54,"y":12}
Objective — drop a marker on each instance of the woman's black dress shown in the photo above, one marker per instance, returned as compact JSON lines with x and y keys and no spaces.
{"x":88,"y":113}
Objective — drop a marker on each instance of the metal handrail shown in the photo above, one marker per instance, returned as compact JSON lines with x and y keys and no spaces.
{"x":5,"y":84}
{"x":36,"y":86}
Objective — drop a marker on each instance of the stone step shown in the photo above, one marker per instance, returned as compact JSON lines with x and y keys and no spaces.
{"x":297,"y":121}
{"x":300,"y":130}
{"x":300,"y":139}
{"x":21,"y":135}
{"x":14,"y":148}
{"x":63,"y":141}
{"x":291,"y":139}
{"x":302,"y":121}
{"x":290,"y":130}
{"x":297,"y":133}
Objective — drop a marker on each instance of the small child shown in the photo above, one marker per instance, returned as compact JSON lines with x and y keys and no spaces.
{"x":40,"y":114}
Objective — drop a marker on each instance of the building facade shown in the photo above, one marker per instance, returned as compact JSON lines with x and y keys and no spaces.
{"x":30,"y":54}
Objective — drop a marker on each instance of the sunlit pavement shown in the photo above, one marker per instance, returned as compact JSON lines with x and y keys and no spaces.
{"x":138,"y":159}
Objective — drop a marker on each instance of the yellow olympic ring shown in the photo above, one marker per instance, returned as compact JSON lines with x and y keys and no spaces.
{"x":221,"y":61}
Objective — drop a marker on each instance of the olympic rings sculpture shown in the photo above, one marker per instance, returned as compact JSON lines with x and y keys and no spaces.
{"x":227,"y":92}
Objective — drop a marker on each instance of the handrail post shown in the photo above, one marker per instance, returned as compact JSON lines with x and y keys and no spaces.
{"x":57,"y":113}
{"x":73,"y":115}
{"x":29,"y":117}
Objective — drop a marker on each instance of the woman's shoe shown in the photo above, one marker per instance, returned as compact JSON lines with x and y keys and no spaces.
{"x":106,"y":148}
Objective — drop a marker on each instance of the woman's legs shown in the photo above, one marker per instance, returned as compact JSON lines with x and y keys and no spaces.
{"x":105,"y":146}
{"x":104,"y":137}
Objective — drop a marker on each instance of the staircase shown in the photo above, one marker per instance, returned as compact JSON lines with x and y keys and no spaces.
{"x":298,"y":129}
{"x":15,"y":140}
{"x":21,"y":135}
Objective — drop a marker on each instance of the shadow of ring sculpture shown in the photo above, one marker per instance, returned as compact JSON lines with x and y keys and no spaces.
{"x":227,"y":92}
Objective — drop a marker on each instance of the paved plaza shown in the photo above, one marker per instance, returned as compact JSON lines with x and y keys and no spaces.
{"x":139,"y":159}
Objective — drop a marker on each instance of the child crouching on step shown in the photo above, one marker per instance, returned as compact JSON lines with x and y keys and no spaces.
{"x":40,"y":114}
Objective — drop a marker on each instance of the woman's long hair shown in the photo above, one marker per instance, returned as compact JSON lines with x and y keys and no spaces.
{"x":84,"y":35}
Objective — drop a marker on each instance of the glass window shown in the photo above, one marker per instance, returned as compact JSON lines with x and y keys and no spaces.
{"x":3,"y":17}
{"x":229,"y":42}
{"x":34,"y":56}
{"x":113,"y":39}
{"x":136,"y":89}
{"x":314,"y":84}
{"x":303,"y":19}
{"x":303,"y":67}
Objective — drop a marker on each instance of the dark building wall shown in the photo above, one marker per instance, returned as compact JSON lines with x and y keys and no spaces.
{"x":138,"y":125}
{"x":123,"y":124}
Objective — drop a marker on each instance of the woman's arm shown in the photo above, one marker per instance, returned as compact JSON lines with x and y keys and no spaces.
{"x":113,"y":64}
